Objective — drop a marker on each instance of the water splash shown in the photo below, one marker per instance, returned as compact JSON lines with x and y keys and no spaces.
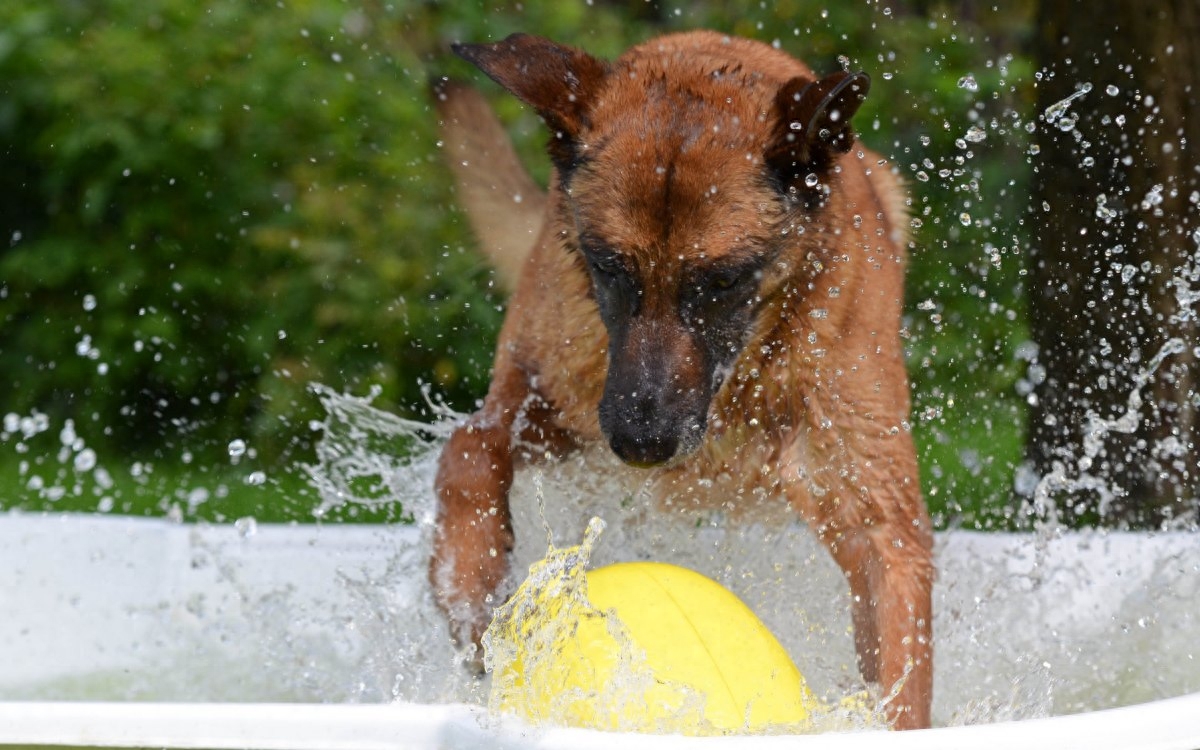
{"x":368,"y":457}
{"x":1059,"y":108}
{"x":343,"y":612}
{"x":528,"y":634}
{"x":1097,"y":429}
{"x":538,"y":631}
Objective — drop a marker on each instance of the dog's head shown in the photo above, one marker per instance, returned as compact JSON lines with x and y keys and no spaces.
{"x":686,"y":177}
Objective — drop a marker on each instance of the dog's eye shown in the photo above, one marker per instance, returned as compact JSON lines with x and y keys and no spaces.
{"x":728,"y":281}
{"x":605,"y":266}
{"x":724,"y":283}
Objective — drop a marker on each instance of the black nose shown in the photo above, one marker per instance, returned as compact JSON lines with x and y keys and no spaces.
{"x":641,"y":425}
{"x":638,"y":447}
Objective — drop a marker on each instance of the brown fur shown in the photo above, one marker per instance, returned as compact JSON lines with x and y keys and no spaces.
{"x":680,"y":226}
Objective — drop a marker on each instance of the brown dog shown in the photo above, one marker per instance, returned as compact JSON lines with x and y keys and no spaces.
{"x":713,"y":286}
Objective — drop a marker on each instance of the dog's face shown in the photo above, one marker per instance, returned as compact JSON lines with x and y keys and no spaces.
{"x":683,"y":192}
{"x":679,"y":236}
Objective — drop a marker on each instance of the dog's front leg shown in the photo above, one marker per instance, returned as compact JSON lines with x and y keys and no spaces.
{"x":890,"y":572}
{"x":473,"y":535}
{"x":900,"y":582}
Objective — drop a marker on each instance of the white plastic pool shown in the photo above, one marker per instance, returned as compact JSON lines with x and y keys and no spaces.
{"x":144,"y":633}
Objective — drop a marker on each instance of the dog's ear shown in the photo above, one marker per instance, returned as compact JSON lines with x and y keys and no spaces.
{"x":813,"y":124}
{"x":559,"y":82}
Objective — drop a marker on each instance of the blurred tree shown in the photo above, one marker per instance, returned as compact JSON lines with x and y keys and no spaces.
{"x":1115,"y":272}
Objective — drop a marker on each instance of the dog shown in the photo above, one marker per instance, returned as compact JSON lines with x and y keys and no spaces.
{"x":712,"y":285}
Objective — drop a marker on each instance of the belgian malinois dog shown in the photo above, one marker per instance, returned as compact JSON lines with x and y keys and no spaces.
{"x":712,"y":285}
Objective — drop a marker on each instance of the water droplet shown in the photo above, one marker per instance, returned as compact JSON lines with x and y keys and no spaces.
{"x":968,"y":82}
{"x":237,"y":448}
{"x":85,"y":460}
{"x":811,"y":180}
{"x":89,"y":302}
{"x":1103,"y":211}
{"x":256,"y":478}
{"x":975,"y":134}
{"x":1112,"y":90}
{"x":965,"y":219}
{"x":246,"y":527}
{"x":1056,"y":110}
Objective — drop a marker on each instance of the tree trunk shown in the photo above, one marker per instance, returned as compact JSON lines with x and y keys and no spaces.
{"x":1115,"y":271}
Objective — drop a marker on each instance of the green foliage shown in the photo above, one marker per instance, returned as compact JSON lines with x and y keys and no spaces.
{"x":207,"y":207}
{"x":218,"y":204}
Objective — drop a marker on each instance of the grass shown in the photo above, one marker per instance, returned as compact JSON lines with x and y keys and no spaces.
{"x":216,"y":493}
{"x":968,"y":447}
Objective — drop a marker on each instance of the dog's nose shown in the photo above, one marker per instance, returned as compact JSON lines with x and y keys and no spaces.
{"x":640,"y":426}
{"x":637,"y":447}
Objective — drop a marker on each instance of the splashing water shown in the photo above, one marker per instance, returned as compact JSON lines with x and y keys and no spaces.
{"x":1055,"y":111}
{"x":1025,"y":625}
{"x":1096,"y":431}
{"x":1113,"y":611}
{"x":528,"y":633}
{"x":536,"y":631}
{"x":372,"y":458}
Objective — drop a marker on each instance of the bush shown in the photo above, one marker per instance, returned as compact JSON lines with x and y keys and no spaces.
{"x":217,"y":204}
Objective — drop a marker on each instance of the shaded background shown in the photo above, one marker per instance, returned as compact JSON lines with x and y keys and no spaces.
{"x":205,"y":208}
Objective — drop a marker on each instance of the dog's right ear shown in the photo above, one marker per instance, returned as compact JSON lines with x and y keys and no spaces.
{"x":559,"y":82}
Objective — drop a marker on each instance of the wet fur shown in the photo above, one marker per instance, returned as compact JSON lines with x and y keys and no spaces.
{"x":758,"y":354}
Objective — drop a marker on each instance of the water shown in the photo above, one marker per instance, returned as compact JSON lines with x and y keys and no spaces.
{"x":1026,"y":625}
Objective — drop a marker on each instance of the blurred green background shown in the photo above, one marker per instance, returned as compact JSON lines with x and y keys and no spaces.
{"x":206,"y":207}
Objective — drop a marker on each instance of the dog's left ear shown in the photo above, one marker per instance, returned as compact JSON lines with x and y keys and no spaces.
{"x":813,"y":124}
{"x":559,"y":82}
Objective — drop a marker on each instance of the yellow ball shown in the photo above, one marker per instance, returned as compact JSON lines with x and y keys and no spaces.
{"x":698,"y":641}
